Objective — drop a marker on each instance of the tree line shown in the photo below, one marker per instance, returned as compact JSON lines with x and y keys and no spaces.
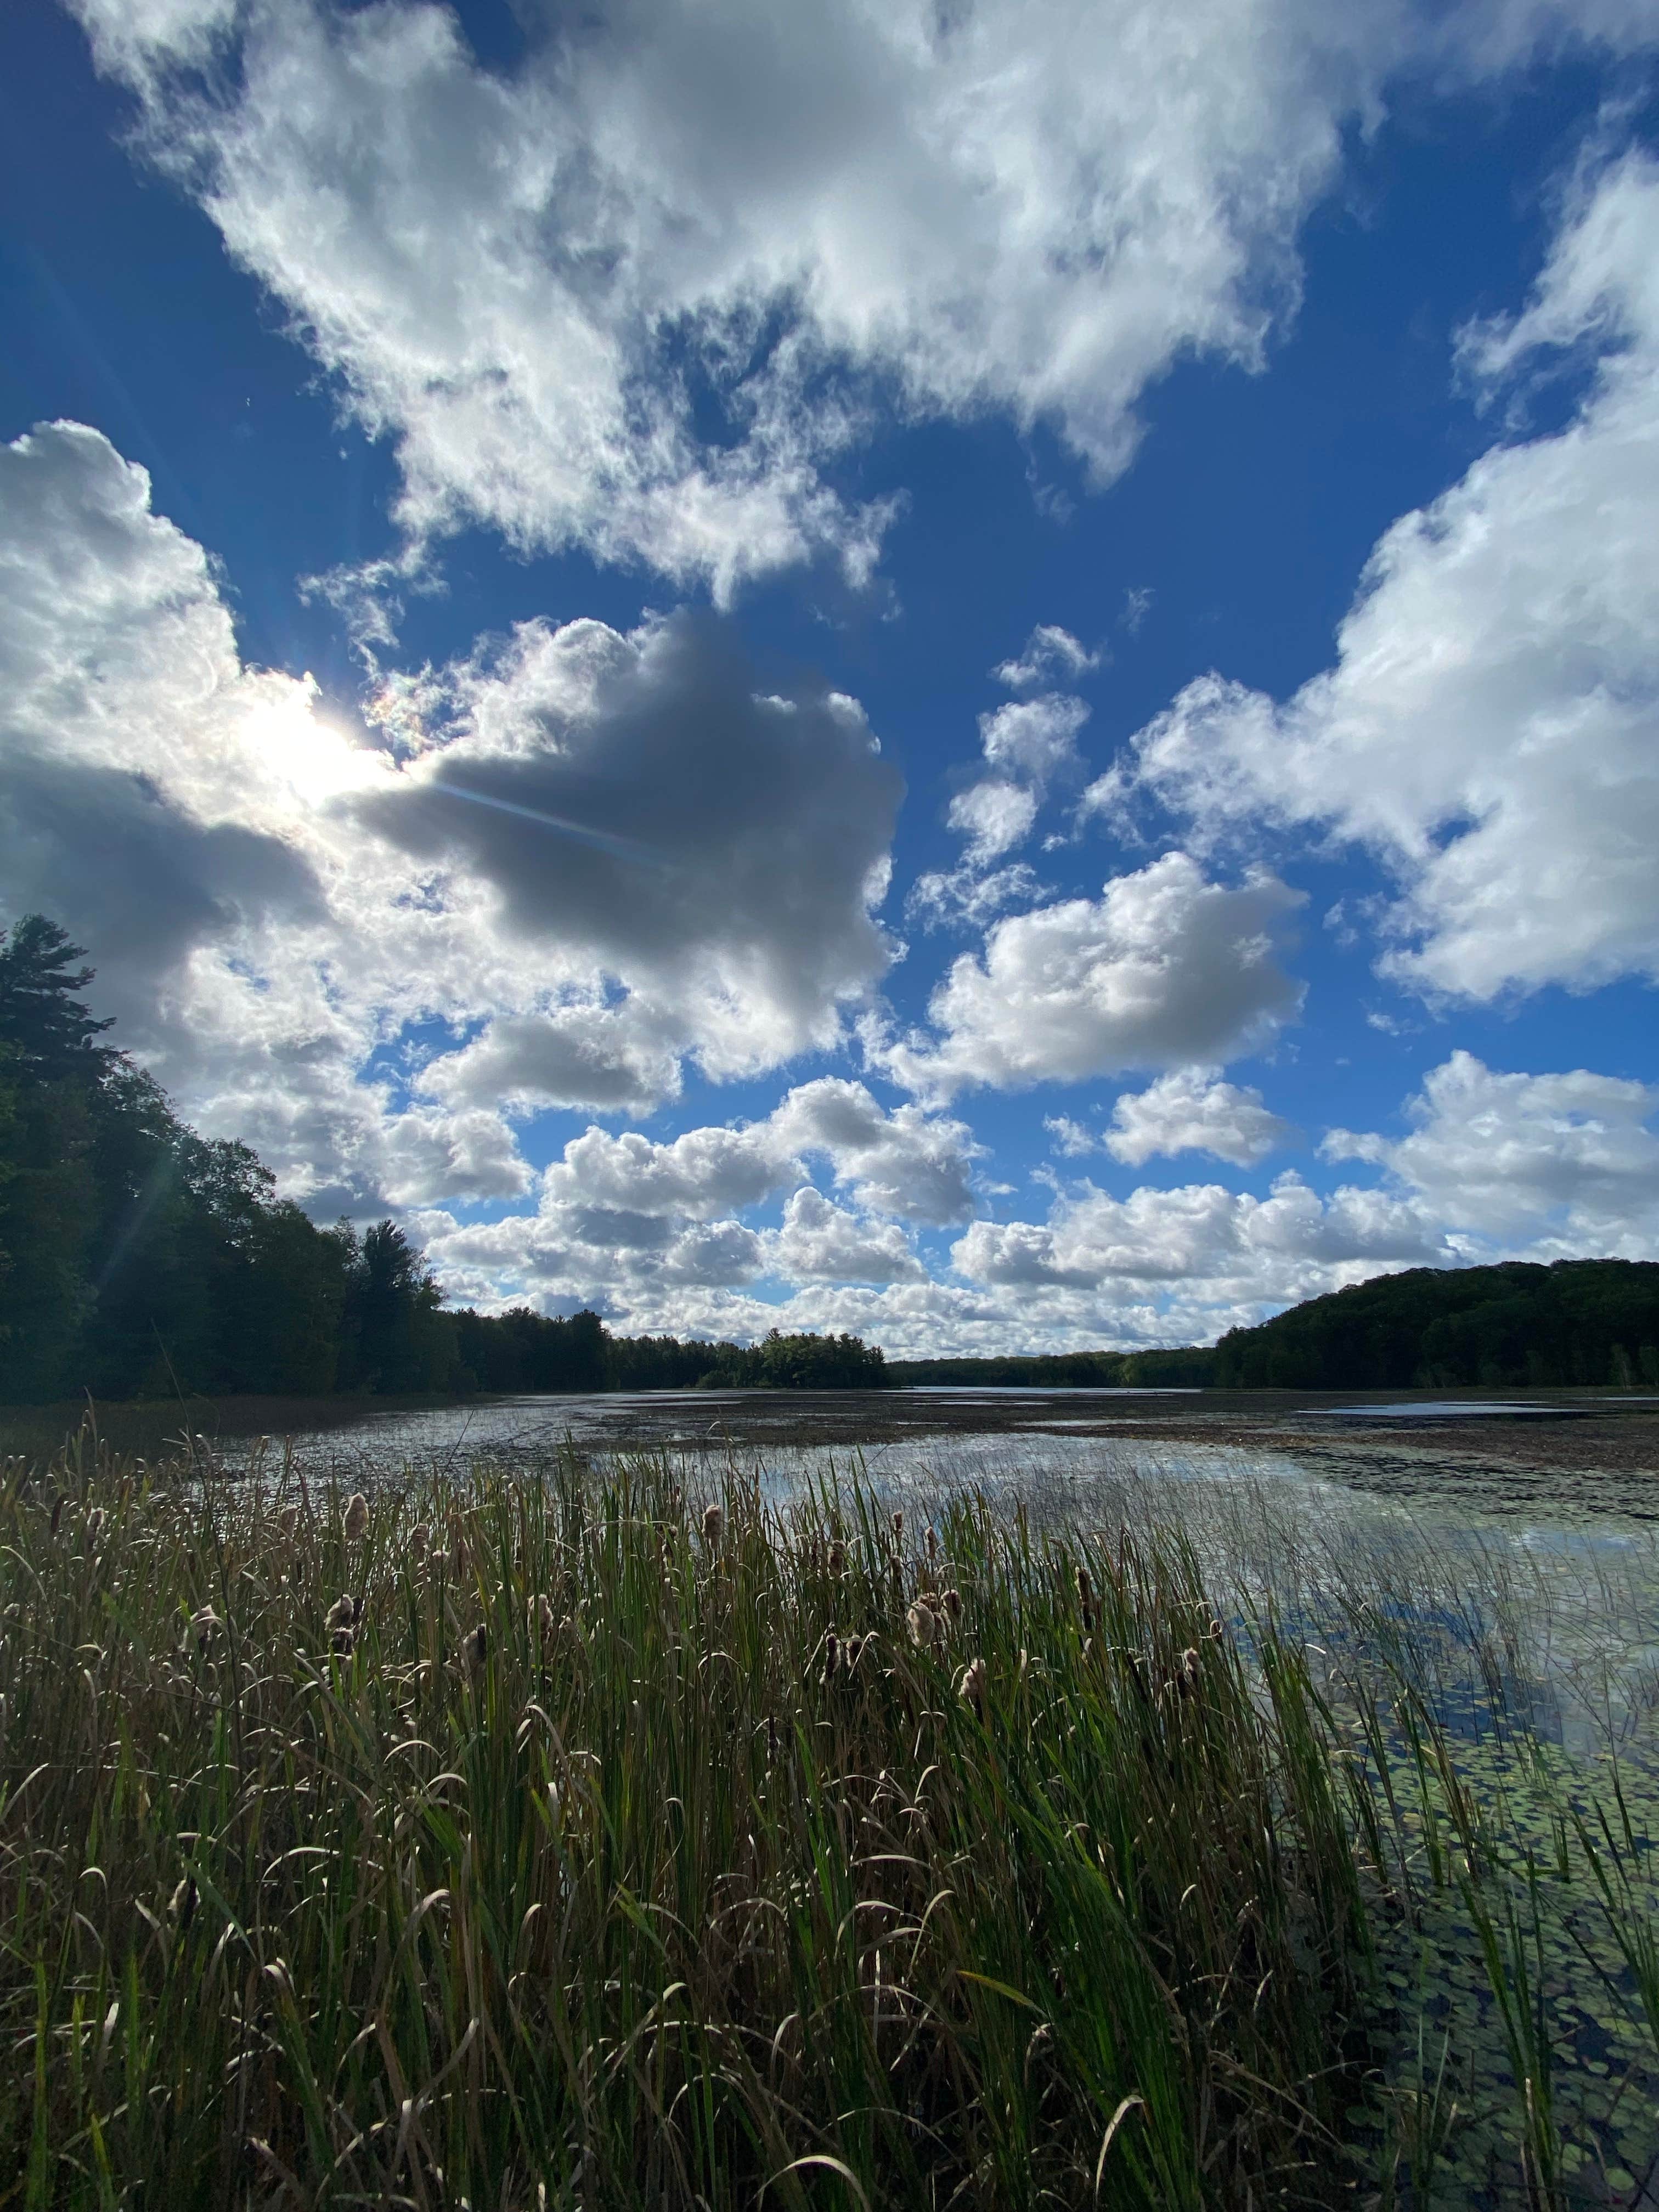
{"x":1185,"y":1367}
{"x":138,"y":1258}
{"x":1578,"y":1323}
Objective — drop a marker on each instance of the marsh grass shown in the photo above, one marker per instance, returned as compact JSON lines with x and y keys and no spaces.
{"x":551,"y":1837}
{"x":606,"y":1850}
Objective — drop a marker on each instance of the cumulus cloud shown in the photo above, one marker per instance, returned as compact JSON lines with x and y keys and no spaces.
{"x":1070,"y":1138}
{"x":589,"y":855}
{"x":902,"y":1162}
{"x":531,"y":279}
{"x":153,"y":794}
{"x":1162,"y":968}
{"x":1027,"y":744}
{"x":583,"y":1052}
{"x":820,"y":1241}
{"x":993,"y":815}
{"x":1552,"y":1166}
{"x":1050,"y":651}
{"x":1491,"y":728}
{"x":1226,"y":1249}
{"x":1492,"y":1166}
{"x":1191,"y":1109}
{"x":637,"y":803}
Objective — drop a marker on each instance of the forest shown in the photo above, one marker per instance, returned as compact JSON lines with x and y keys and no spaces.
{"x":1188,"y":1367}
{"x":1578,"y":1323}
{"x":139,"y":1259}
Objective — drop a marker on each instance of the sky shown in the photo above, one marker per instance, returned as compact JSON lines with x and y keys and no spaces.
{"x":986,"y":673}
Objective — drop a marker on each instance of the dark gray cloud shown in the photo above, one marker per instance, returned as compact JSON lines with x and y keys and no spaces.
{"x":643,"y":803}
{"x":134,"y":878}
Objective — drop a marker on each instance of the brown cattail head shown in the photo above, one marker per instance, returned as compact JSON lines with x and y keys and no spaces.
{"x":971,"y":1688}
{"x":923,"y":1624}
{"x":542,"y":1624}
{"x":837,"y":1560}
{"x":344,"y":1620}
{"x":475,"y":1649}
{"x":354,"y":1519}
{"x":714,"y":1527}
{"x":771,"y":1740}
{"x":953,"y":1604}
{"x":420,"y":1537}
{"x":182,"y":1905}
{"x":898,"y":1525}
{"x":56,"y":1512}
{"x":854,"y":1651}
{"x":1085,"y":1589}
{"x":932,"y":1547}
{"x":1185,"y":1673}
{"x":205,"y":1625}
{"x":95,"y":1526}
{"x":831,"y":1655}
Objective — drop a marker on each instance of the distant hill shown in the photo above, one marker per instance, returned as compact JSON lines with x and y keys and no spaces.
{"x":1581,"y":1322}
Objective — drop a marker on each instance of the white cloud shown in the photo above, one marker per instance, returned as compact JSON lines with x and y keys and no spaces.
{"x":469,"y":1155}
{"x":1491,"y":728}
{"x":1192,"y":1110}
{"x":1540,"y":1166}
{"x":1493,"y":1166}
{"x":1071,"y":1139}
{"x":962,"y":898}
{"x":903,"y":1162}
{"x":1034,"y":738}
{"x":1163,"y":968}
{"x":525,"y":277}
{"x":820,"y":1241}
{"x":1049,"y":652}
{"x":592,"y":853}
{"x":584,"y":1053}
{"x":1027,"y":744}
{"x":1204,"y":1242}
{"x":994,"y":816}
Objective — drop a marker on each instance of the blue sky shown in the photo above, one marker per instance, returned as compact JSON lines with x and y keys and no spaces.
{"x":992,"y":677}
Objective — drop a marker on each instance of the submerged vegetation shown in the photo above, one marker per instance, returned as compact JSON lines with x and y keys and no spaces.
{"x":564,"y":1838}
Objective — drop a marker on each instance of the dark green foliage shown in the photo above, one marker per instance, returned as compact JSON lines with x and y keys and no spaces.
{"x":1581,"y":1322}
{"x":42,"y":1021}
{"x":523,"y":1350}
{"x":1183,"y":1367}
{"x":801,"y":1363}
{"x":137,"y":1259}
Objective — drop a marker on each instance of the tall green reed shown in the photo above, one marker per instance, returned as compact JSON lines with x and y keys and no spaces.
{"x":542,"y":1840}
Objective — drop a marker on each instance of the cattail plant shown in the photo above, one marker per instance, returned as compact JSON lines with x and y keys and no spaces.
{"x":741,"y":1901}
